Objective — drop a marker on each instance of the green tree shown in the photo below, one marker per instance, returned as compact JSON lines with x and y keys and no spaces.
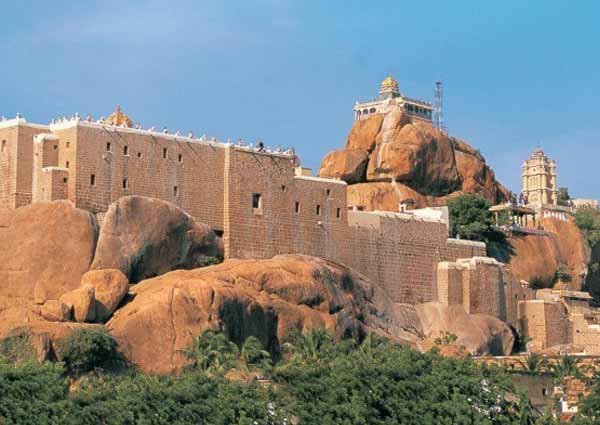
{"x":588,"y":221}
{"x":309,"y":348}
{"x":86,"y":349}
{"x":534,"y":363}
{"x":214,"y":353}
{"x":254,"y":355}
{"x":470,"y":218}
{"x":566,"y":366}
{"x":563,"y":196}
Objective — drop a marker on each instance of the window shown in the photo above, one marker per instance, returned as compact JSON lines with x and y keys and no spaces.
{"x":164,"y":153}
{"x":67,"y":164}
{"x":55,"y":147}
{"x":318,"y":210}
{"x":338,"y":213}
{"x":175,"y":190}
{"x":283,"y":188}
{"x":68,"y":144}
{"x":328,"y":192}
{"x":93,"y":180}
{"x":256,"y":201}
{"x":180,"y":158}
{"x":3,"y":145}
{"x":108,"y":147}
{"x":65,"y":179}
{"x":297,"y":207}
{"x":126,"y":150}
{"x":139,"y":154}
{"x":125,"y":183}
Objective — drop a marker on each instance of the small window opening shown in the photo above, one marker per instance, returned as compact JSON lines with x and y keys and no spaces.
{"x":297,"y":207}
{"x":139,"y":154}
{"x":3,"y":145}
{"x":126,"y":150}
{"x":180,"y":158}
{"x":125,"y":183}
{"x":93,"y":180}
{"x":67,"y":164}
{"x":338,"y":213}
{"x":68,"y":145}
{"x":108,"y":147}
{"x":256,"y":201}
{"x":175,"y":190}
{"x":328,"y":191}
{"x":283,"y":188}
{"x":165,"y":153}
{"x":55,"y":147}
{"x":318,"y":210}
{"x":65,"y":179}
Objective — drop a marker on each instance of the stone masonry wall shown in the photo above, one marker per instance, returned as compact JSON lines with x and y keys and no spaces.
{"x":257,"y":201}
{"x":586,"y":335}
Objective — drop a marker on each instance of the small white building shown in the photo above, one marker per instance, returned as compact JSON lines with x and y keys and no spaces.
{"x":389,"y":95}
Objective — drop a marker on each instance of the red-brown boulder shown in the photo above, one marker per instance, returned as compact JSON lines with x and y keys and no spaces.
{"x":263,"y":298}
{"x":45,"y":248}
{"x":146,"y":237}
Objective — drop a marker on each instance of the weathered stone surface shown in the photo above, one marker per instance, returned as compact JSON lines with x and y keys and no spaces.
{"x":45,"y":248}
{"x":110,"y":286}
{"x":56,"y":311}
{"x":264,"y":298}
{"x":414,"y":155}
{"x":382,"y":196}
{"x":362,"y":135}
{"x":347,"y":165}
{"x":145,"y":237}
{"x":83,"y":303}
{"x":478,"y":333}
{"x":537,"y":258}
{"x":418,"y":156}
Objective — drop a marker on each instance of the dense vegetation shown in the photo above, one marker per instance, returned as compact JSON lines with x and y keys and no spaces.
{"x":316,"y":382}
{"x":470,"y":218}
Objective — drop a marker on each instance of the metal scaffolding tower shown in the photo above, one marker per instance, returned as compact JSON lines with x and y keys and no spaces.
{"x":439,"y":107}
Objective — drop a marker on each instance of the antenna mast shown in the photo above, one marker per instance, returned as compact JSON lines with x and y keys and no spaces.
{"x":439,"y":107}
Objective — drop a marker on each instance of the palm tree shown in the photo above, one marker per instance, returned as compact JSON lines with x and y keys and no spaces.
{"x":310,"y":347}
{"x":253,"y":354}
{"x":566,"y":366}
{"x":212,"y":352}
{"x":534,"y":363}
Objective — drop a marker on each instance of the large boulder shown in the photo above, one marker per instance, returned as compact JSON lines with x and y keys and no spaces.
{"x":82,"y":302}
{"x":267,"y":299}
{"x":412,"y":154}
{"x":536,"y":258}
{"x":110,"y":287}
{"x":144,"y":237}
{"x":479,"y":334}
{"x":348,"y":165}
{"x":45,"y":249}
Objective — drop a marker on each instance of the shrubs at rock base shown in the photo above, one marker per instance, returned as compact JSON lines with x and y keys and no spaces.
{"x":84,"y":350}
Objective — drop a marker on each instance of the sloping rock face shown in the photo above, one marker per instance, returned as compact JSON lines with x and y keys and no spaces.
{"x":144,"y":237}
{"x":45,"y":249}
{"x":478,"y":333}
{"x":264,"y":298}
{"x":409,"y":162}
{"x":537,"y":258}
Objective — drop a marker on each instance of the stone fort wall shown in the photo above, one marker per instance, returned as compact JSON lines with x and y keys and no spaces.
{"x":253,"y":198}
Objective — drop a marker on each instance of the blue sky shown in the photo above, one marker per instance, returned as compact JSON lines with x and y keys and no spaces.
{"x":516,"y":73}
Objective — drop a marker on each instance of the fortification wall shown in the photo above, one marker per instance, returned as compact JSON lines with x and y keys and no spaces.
{"x":586,"y":335}
{"x":292,"y":215}
{"x":546,"y":323}
{"x":16,"y":162}
{"x":8,"y":165}
{"x":112,"y":162}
